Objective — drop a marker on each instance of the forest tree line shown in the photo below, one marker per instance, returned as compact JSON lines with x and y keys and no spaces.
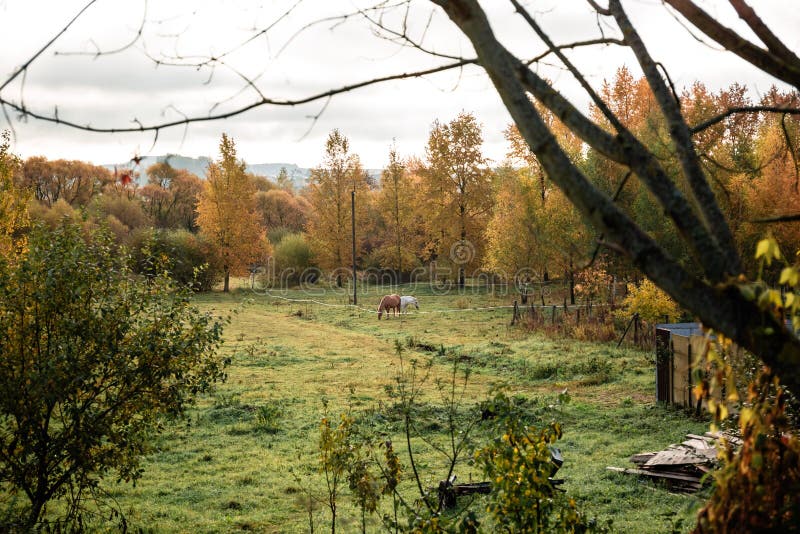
{"x":450,"y":207}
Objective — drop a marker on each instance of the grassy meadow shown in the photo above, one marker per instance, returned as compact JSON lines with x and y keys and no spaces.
{"x":246,"y":456}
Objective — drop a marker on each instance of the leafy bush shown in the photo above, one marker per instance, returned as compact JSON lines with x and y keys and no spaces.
{"x":127,"y":211}
{"x":188,"y":258}
{"x":276,"y":235}
{"x":758,"y":487}
{"x":292,"y":257}
{"x":518,"y":463}
{"x":593,"y":283}
{"x":92,"y":359}
{"x":650,"y":302}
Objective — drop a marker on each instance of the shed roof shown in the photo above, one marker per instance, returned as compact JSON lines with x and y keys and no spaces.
{"x":681,"y":329}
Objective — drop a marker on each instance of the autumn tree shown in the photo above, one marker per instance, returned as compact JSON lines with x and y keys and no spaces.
{"x":77,"y":182}
{"x":329,"y":192}
{"x":459,"y":184}
{"x":534,"y":229}
{"x":513,"y":235}
{"x":280,"y":208}
{"x":121,"y":209}
{"x":284,"y":181}
{"x":261,"y":183}
{"x":14,"y":217}
{"x":185,"y":189}
{"x":226,"y":213}
{"x":170,"y":196}
{"x":398,"y":217}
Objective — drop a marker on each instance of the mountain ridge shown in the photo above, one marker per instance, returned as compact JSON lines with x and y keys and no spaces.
{"x":298,"y":175}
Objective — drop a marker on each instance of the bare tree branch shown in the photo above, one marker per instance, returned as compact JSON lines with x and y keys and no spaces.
{"x":774,"y":44}
{"x":47,"y":45}
{"x":690,"y":163}
{"x":99,"y":52}
{"x":25,"y":112}
{"x":576,"y":44}
{"x":778,"y":219}
{"x":782,"y":67}
{"x":743,"y":109}
{"x":600,"y":10}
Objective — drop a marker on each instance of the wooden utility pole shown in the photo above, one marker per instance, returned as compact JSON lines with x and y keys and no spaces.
{"x":353,"y":224}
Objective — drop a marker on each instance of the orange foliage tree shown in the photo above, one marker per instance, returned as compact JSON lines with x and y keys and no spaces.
{"x":170,"y":196}
{"x":458,"y":185}
{"x":280,"y":208}
{"x":329,"y":188}
{"x":76,"y":182}
{"x":226,"y":213}
{"x":397,"y":208}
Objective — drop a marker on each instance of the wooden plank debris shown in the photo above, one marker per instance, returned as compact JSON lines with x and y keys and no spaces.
{"x":682,"y":467}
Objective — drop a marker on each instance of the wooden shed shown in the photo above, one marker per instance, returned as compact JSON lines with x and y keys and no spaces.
{"x":677,"y":345}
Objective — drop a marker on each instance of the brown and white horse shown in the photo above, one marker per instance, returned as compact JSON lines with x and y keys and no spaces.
{"x":389,"y":302}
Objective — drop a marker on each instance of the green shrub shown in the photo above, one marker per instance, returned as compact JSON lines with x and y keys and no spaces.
{"x":276,"y":235}
{"x":518,"y":463}
{"x":92,"y":359}
{"x":188,"y":258}
{"x":293,"y":252}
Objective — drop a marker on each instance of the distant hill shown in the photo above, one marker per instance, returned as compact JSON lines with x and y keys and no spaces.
{"x":299,"y":175}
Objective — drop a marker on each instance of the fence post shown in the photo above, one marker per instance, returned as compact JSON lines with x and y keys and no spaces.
{"x":516,"y":312}
{"x":554,"y":314}
{"x":625,"y":333}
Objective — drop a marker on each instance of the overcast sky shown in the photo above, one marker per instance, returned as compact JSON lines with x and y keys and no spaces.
{"x":114,"y":89}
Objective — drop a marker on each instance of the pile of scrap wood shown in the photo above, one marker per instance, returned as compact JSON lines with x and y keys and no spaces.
{"x":682,"y":467}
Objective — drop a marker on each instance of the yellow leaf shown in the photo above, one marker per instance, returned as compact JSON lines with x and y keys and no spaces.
{"x":762,"y":248}
{"x":768,"y":249}
{"x":789,"y":275}
{"x":770,"y":297}
{"x":744,"y":417}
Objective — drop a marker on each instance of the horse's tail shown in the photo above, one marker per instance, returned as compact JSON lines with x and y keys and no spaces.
{"x":380,"y":308}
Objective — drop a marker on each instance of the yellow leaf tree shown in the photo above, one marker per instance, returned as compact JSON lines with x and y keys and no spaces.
{"x":458,"y":182}
{"x":227,"y":214}
{"x":13,"y":204}
{"x":534,"y":231}
{"x":399,"y":228}
{"x":329,"y":187}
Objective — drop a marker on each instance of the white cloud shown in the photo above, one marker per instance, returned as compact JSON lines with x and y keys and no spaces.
{"x":112,"y":90}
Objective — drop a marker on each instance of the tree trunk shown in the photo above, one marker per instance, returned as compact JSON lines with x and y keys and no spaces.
{"x":226,"y":283}
{"x":33,"y":516}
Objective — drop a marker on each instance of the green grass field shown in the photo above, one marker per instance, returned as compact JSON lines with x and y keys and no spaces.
{"x":241,"y":460}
